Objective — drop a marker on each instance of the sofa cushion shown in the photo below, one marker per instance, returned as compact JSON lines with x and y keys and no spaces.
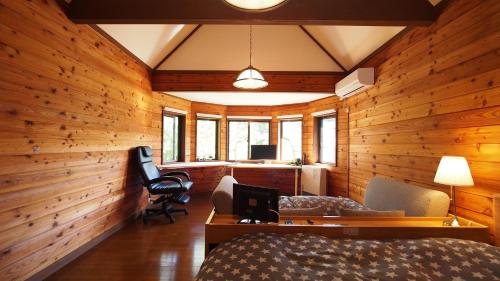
{"x":222,"y":197}
{"x":386,"y":194}
{"x":371,"y":213}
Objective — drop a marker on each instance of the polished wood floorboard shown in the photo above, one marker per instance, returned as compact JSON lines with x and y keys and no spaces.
{"x":157,"y":251}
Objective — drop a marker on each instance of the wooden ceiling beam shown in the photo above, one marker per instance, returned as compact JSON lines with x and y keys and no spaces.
{"x":222,"y":81}
{"x":294,"y":12}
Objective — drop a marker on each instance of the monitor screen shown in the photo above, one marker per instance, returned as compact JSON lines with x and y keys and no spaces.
{"x":253,"y":202}
{"x":263,"y":152}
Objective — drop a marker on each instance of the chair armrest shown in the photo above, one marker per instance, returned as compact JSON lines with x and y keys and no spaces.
{"x":167,"y":178}
{"x":179,"y":173}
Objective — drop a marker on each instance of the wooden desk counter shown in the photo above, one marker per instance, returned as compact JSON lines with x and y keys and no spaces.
{"x":281,"y":176}
{"x":220,"y":228}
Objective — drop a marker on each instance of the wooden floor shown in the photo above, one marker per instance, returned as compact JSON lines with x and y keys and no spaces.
{"x":157,"y":251}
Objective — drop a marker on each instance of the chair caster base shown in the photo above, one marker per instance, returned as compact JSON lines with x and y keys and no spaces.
{"x":166,"y":210}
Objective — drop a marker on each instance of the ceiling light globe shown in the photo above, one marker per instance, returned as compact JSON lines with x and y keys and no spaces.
{"x":254,"y":4}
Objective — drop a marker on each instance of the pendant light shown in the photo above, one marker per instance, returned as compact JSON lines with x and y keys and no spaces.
{"x":250,"y":78}
{"x":254,"y":4}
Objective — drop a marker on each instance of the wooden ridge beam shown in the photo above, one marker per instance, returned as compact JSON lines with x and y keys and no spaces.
{"x":294,"y":12}
{"x":222,"y":81}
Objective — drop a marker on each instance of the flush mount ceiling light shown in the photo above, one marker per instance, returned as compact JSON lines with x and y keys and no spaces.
{"x":255,"y":4}
{"x":250,"y":78}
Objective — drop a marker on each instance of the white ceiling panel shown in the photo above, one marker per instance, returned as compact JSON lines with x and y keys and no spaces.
{"x":247,"y":98}
{"x":149,"y":42}
{"x":226,"y":47}
{"x":351,"y":44}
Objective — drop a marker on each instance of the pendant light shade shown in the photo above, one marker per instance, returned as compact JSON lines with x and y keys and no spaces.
{"x":254,"y":4}
{"x":250,"y":78}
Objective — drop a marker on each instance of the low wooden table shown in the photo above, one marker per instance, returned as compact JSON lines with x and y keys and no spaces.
{"x":221,"y":228}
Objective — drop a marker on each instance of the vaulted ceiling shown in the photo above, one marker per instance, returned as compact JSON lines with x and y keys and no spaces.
{"x":212,"y":47}
{"x":275,"y":47}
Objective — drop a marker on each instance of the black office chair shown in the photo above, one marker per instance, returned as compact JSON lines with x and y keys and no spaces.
{"x":170,"y":187}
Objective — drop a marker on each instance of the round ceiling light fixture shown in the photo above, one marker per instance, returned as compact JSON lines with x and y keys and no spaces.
{"x":255,"y":5}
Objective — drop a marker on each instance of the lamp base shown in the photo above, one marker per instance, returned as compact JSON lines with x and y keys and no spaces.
{"x":452,"y":222}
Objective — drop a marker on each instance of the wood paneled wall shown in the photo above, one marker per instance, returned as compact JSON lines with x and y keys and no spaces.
{"x":337,"y":176}
{"x":198,"y":107}
{"x":437,"y":93}
{"x":72,"y":106}
{"x":160,"y":100}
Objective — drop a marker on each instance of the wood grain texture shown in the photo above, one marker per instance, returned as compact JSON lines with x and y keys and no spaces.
{"x":437,"y":93}
{"x":323,"y":12}
{"x":72,"y":107}
{"x":337,"y":175}
{"x":222,"y":81}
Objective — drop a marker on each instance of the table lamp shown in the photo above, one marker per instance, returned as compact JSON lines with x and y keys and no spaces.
{"x":453,"y":171}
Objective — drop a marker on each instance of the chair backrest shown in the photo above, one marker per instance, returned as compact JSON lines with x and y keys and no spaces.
{"x":148,"y":168}
{"x":384,"y":194}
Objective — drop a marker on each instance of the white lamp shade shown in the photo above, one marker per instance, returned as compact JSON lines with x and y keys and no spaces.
{"x":254,"y":4}
{"x":453,"y":170}
{"x":250,"y":78}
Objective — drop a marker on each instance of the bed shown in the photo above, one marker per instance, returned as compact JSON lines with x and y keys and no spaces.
{"x":309,"y":257}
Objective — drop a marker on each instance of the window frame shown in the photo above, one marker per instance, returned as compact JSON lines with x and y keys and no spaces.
{"x":281,"y":137}
{"x":318,"y":126}
{"x":217,"y":138}
{"x":180,"y":136}
{"x":249,"y":145}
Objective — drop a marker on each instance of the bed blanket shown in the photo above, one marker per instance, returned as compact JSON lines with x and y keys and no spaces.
{"x":310,"y":257}
{"x":332,"y":205}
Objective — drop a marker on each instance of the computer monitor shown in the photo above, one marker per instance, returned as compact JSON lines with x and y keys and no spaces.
{"x":255,"y":204}
{"x":263,"y":152}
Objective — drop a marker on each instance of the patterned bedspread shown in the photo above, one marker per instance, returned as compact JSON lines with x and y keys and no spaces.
{"x":309,"y":257}
{"x":332,"y":205}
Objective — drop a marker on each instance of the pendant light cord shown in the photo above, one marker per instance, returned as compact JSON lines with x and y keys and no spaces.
{"x":250,"y":45}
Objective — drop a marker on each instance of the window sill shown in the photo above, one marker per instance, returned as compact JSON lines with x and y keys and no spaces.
{"x":326,"y":164}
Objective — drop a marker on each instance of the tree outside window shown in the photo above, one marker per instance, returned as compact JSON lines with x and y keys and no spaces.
{"x":244,"y":134}
{"x":206,"y":139}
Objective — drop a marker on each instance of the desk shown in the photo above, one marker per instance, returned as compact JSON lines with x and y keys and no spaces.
{"x":193,"y":166}
{"x":270,"y":167}
{"x":221,"y":228}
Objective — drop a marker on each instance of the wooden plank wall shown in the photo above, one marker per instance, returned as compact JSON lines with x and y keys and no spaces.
{"x":205,"y":179}
{"x":437,"y":93}
{"x":337,"y":176}
{"x":198,"y":107}
{"x":160,"y":101}
{"x":72,"y":106}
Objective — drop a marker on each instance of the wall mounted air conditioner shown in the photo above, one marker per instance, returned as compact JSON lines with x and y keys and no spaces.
{"x":359,"y":80}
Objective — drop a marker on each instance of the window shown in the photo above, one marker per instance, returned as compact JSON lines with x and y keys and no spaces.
{"x":327,"y":128}
{"x":244,"y":134}
{"x":207,"y":140}
{"x":172,"y":143}
{"x":291,"y":140}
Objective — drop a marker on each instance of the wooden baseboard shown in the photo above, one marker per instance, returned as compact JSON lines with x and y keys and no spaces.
{"x":53,"y":268}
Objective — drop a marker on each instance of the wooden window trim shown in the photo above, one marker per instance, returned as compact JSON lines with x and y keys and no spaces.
{"x":281,"y":136}
{"x":317,"y":139}
{"x":181,"y":136}
{"x":249,"y":145}
{"x":217,"y":138}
